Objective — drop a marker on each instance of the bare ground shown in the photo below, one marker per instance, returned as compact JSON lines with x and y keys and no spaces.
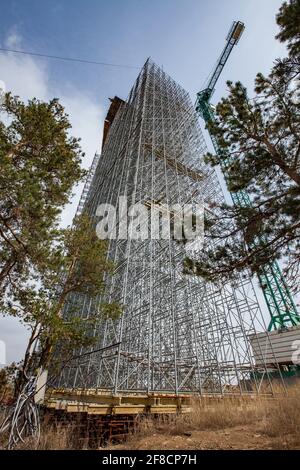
{"x":248,"y":437}
{"x":225,"y":424}
{"x":212,"y":424}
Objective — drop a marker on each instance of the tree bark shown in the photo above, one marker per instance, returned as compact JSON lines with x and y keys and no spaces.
{"x":281,"y":163}
{"x":6,"y":270}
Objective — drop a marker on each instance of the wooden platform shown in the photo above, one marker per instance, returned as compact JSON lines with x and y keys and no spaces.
{"x":103,"y":403}
{"x":98,"y":417}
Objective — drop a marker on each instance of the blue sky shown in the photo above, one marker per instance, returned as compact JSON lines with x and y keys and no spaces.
{"x":185,"y":36}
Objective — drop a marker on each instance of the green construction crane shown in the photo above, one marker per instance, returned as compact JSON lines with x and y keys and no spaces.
{"x":279,"y":300}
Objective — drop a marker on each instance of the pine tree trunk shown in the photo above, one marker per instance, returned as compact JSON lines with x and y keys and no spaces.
{"x":6,"y":270}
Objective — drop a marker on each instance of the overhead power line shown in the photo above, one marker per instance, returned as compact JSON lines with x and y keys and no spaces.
{"x":70,"y":59}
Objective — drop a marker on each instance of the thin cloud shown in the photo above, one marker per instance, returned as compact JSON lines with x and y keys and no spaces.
{"x":13,"y":38}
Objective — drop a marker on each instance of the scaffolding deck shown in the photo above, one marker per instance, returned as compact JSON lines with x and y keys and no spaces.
{"x":177,"y":332}
{"x":95,"y":402}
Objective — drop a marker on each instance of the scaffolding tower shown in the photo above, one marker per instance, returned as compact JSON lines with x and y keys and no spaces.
{"x":178,"y":333}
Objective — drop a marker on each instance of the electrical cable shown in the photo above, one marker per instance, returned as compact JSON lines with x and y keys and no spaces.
{"x":25,"y":412}
{"x":70,"y":59}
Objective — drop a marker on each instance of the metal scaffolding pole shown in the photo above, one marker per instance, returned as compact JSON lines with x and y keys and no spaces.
{"x":178,"y":333}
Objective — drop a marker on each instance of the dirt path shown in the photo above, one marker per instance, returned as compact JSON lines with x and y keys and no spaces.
{"x":247,"y":437}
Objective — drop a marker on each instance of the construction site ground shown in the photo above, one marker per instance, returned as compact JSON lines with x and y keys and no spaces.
{"x":245,"y":437}
{"x":251,"y":424}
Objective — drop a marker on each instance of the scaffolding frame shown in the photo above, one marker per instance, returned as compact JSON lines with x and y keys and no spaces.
{"x":177,"y":333}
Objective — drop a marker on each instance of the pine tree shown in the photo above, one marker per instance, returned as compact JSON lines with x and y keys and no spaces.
{"x":39,"y":164}
{"x":42,"y":266}
{"x":77,"y":265}
{"x":288,"y":20}
{"x":259,"y":142}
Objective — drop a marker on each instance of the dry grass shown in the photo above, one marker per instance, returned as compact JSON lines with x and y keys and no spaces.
{"x":277,"y":419}
{"x":55,"y":437}
{"x":283,"y":421}
{"x":206,"y":415}
{"x":223,"y":413}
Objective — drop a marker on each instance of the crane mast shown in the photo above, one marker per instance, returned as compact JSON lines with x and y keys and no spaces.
{"x":277,"y":295}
